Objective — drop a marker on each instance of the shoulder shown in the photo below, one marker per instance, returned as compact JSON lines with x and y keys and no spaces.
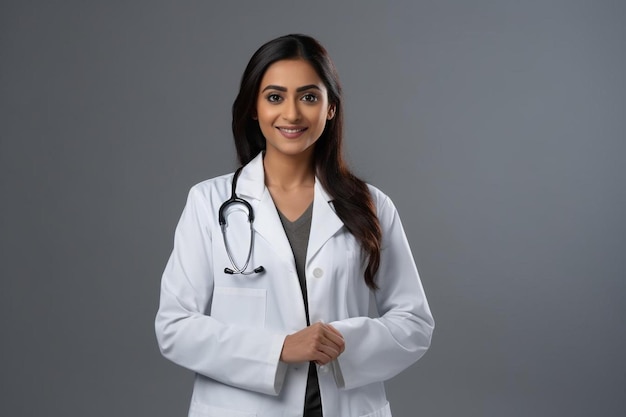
{"x":211,"y":184}
{"x":386,"y":210}
{"x":381,"y":200}
{"x":376,"y":193}
{"x":211,"y":191}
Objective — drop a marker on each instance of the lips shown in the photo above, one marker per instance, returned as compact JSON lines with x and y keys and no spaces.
{"x":291,"y":132}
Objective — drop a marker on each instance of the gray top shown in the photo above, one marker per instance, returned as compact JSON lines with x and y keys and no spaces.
{"x":298,"y":235}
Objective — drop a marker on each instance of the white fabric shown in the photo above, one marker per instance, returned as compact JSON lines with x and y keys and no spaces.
{"x":230,"y":329}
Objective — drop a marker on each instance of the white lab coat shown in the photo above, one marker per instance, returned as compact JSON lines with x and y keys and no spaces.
{"x":229,"y":329}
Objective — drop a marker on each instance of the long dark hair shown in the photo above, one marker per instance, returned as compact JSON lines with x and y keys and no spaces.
{"x":351,"y":198}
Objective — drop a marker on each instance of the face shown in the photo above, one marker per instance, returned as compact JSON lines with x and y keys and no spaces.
{"x":292,"y":108}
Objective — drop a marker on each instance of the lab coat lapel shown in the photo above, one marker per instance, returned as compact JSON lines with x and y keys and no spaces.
{"x":267,"y":224}
{"x":325,"y":222}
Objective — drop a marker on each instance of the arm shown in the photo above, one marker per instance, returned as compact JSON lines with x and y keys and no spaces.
{"x":378,"y":349}
{"x":243,"y":357}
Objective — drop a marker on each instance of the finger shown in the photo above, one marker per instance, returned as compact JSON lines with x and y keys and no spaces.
{"x":334,"y":345}
{"x":335,"y":340}
{"x":322,"y":358}
{"x":333,"y":335}
{"x":326,"y":335}
{"x":329,"y":352}
{"x":339,"y":340}
{"x":332,"y":329}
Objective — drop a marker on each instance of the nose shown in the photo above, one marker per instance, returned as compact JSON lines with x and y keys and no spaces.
{"x":291,"y":111}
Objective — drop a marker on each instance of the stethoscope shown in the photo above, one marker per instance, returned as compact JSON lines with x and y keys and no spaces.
{"x":223,"y":225}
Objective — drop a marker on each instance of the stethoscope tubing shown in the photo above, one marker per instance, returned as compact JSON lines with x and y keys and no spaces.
{"x":234,"y":199}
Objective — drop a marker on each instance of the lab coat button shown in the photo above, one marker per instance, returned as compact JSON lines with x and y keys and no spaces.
{"x":318,"y":272}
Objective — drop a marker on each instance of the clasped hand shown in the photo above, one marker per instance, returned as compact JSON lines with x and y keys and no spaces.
{"x":320,"y":343}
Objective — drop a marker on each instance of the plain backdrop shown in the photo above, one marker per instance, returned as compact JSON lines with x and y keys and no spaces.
{"x":497,"y":127}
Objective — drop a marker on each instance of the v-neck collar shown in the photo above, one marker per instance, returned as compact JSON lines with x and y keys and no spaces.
{"x":304,"y":218}
{"x":324,"y":221}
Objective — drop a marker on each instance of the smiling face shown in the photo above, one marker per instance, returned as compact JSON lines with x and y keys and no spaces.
{"x":292,"y":108}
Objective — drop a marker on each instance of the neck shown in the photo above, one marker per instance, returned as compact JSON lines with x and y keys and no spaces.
{"x":289,"y":171}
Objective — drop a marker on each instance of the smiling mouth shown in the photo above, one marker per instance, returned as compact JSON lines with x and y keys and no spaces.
{"x":292,"y":130}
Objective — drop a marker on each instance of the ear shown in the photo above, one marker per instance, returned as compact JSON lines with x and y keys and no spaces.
{"x":331,"y":112}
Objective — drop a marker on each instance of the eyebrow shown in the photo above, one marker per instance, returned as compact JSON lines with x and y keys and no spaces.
{"x":298,"y":90}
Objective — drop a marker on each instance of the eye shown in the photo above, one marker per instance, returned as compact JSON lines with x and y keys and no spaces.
{"x":274,"y":98}
{"x":310,"y":97}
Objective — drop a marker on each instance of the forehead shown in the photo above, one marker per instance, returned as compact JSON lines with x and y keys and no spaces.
{"x":291,"y":73}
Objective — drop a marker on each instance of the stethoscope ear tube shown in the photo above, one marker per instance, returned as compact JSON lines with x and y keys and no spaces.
{"x":234,"y":200}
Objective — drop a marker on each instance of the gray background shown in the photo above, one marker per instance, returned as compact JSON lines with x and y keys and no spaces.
{"x":498,"y":128}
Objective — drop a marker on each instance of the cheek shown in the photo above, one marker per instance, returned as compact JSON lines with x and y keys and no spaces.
{"x":321,"y":120}
{"x":313,"y":114}
{"x":262,"y":107}
{"x":264,"y":115}
{"x":267,"y":112}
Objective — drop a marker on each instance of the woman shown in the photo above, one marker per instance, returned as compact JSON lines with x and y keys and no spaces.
{"x":271,"y":310}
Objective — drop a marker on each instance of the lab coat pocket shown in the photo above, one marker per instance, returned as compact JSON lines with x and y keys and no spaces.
{"x":202,"y":410}
{"x":383,"y":412}
{"x":240,"y":306}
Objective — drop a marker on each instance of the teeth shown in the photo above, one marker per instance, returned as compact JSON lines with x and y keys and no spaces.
{"x":291,"y":130}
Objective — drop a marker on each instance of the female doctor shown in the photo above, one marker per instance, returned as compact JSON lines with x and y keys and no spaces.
{"x":266,"y":298}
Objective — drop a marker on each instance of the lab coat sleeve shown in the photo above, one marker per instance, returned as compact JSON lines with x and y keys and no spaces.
{"x":377,"y":349}
{"x":243,"y":357}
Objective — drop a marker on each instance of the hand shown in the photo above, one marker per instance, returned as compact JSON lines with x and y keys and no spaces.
{"x":319,"y":342}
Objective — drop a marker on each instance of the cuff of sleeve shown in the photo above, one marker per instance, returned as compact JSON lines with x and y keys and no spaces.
{"x":280,"y":367}
{"x":334,"y":365}
{"x":344,"y":372}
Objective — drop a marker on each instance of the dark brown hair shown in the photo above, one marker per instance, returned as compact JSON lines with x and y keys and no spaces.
{"x":351,"y":198}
